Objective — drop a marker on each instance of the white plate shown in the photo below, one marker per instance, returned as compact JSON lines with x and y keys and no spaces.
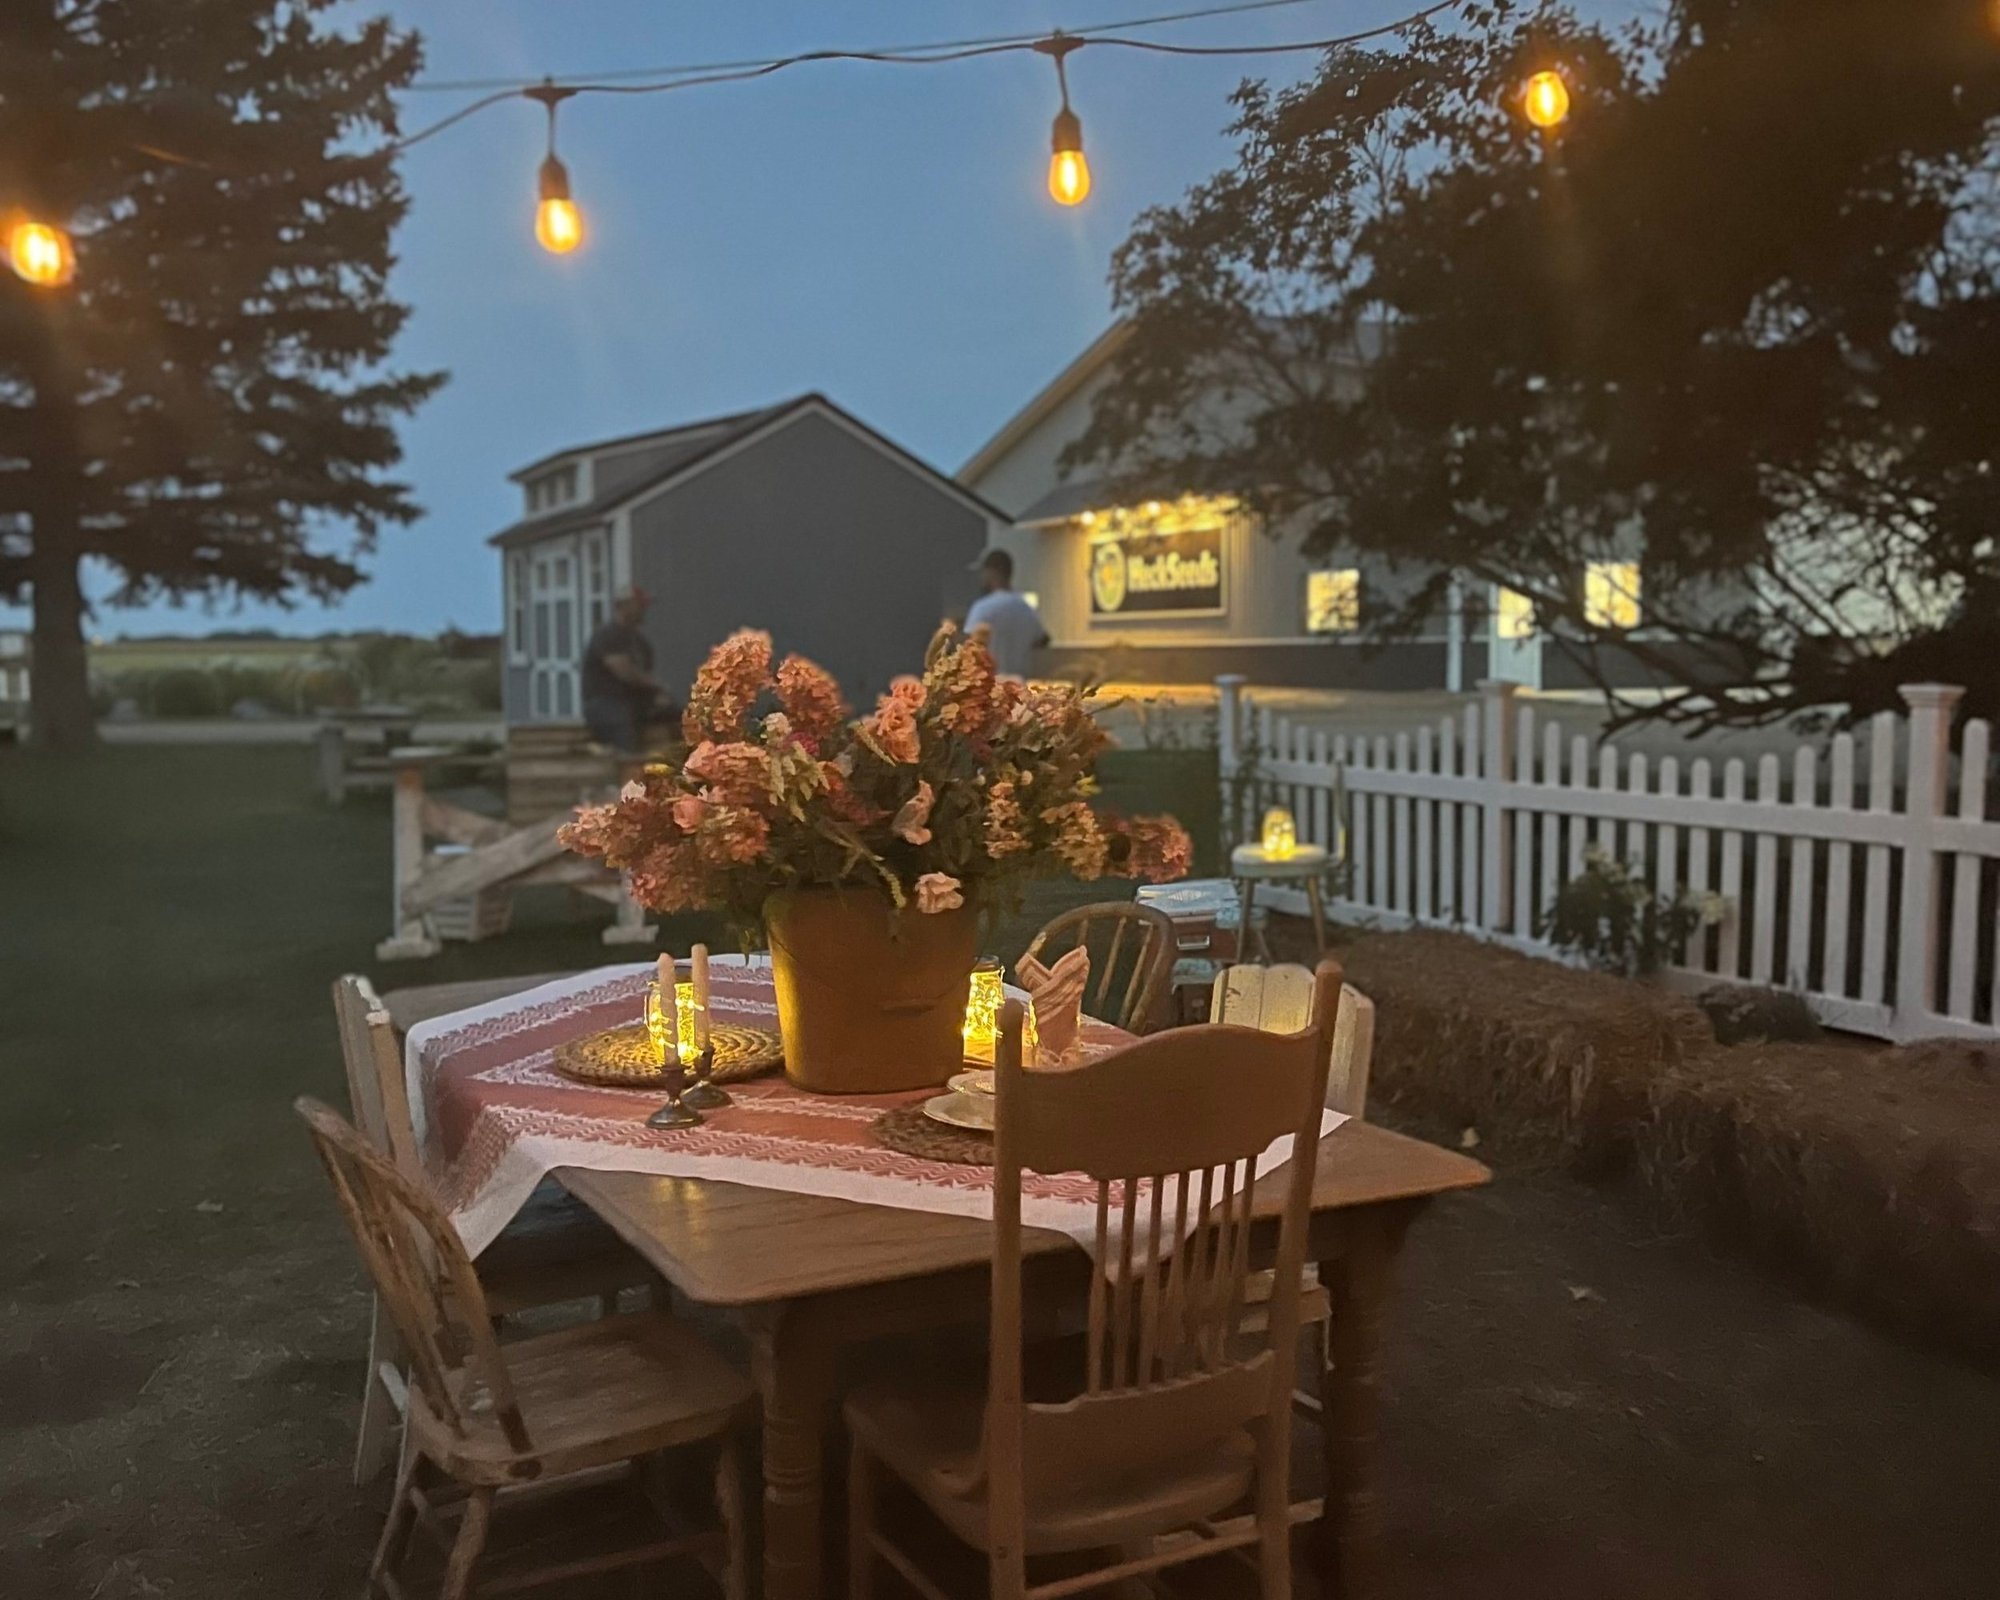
{"x":961,"y":1111}
{"x":979,"y":1081}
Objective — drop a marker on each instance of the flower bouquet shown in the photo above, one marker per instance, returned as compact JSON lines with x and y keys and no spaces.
{"x":866,"y":845}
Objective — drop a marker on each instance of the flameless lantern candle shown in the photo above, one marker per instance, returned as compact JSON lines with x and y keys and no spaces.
{"x":982,"y":1011}
{"x":687,"y":1020}
{"x":1280,"y":834}
{"x":663,"y":1014}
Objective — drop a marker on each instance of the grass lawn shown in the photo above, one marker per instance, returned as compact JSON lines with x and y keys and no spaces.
{"x":1575,"y":1406}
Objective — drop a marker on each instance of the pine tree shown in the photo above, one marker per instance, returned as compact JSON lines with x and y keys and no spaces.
{"x":204,"y":409}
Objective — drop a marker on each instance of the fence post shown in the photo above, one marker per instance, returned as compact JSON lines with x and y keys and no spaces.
{"x":411,"y":939}
{"x":1229,"y":747}
{"x":1496,"y":736}
{"x":1931,"y":706}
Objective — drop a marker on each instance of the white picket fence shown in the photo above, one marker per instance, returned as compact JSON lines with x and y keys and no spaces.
{"x":1868,"y":881}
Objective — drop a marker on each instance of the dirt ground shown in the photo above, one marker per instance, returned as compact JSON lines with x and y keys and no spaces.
{"x":1576,"y":1405}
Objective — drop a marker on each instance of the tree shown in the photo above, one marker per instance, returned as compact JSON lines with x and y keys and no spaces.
{"x":207,"y":399}
{"x":1736,"y":318}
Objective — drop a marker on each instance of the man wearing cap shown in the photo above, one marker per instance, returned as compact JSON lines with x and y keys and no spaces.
{"x":619,"y":693}
{"x":1013,"y":627}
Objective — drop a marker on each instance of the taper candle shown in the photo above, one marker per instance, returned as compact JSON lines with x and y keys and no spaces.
{"x":699,"y":961}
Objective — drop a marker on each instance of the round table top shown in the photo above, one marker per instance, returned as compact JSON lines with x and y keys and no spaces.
{"x":1305,"y":861}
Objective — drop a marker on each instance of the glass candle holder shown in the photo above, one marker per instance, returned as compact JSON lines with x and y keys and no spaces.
{"x":1280,"y":834}
{"x":698,"y":1051}
{"x":982,"y":1011}
{"x":660,"y":1028}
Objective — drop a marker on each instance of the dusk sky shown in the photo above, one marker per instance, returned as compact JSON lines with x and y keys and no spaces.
{"x":879,"y":233}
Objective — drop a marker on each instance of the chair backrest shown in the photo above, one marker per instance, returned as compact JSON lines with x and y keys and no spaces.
{"x":1170,"y":1128}
{"x":376,"y":1089}
{"x":424,"y":1278}
{"x":1279,"y":999}
{"x":1131,"y":959}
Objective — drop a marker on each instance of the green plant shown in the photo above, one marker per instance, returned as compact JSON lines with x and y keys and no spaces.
{"x":1609,"y":916}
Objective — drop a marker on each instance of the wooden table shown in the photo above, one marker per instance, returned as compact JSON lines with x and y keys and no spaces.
{"x":808,"y":1277}
{"x":1305,"y":864}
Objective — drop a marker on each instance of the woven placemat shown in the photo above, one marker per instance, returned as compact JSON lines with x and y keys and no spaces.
{"x":622,"y":1058}
{"x":907,"y":1131}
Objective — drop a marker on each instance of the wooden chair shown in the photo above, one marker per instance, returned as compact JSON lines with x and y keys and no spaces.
{"x":487,"y":1417}
{"x":1131,"y":950}
{"x":1178,"y":1413}
{"x":1279,"y":999}
{"x":554,"y":1251}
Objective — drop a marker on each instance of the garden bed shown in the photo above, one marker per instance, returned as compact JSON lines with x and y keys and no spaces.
{"x":1872,"y":1175}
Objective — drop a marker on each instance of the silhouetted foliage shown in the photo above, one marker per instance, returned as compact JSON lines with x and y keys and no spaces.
{"x":1737,"y":318}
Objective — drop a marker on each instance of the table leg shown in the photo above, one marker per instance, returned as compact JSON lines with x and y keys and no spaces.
{"x":1318,"y":913}
{"x":1357,"y":1284}
{"x":795,"y":1380}
{"x":1246,"y":894}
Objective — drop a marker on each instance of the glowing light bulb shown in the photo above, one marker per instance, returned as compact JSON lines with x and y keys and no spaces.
{"x":1545,"y":99}
{"x":558,"y":224}
{"x":41,"y":253}
{"x":1069,"y":173}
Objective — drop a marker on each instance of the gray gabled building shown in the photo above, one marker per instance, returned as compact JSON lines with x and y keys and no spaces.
{"x":797,"y":518}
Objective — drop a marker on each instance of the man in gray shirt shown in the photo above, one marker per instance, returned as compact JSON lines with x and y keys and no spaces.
{"x":619,"y":693}
{"x":1013,"y":627}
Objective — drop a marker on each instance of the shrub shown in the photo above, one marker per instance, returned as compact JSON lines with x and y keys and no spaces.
{"x":1607,"y":915}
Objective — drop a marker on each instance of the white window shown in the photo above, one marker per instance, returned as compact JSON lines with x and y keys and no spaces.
{"x":597,"y":580}
{"x":1611,"y":594}
{"x":1333,"y":600}
{"x":517,"y":606}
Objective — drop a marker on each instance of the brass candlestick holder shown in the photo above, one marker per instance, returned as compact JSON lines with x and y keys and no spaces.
{"x":676,"y":1113}
{"x":704,"y":1094}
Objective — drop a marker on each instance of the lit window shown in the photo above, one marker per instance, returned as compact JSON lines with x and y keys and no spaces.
{"x":1513,"y":615}
{"x":1611,"y":594}
{"x":1333,"y":601}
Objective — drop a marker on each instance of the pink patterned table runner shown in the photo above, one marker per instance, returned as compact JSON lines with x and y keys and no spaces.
{"x":494,"y":1116}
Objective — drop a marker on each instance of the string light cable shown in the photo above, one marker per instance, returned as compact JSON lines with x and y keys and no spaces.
{"x":40,"y":250}
{"x":670,"y":79}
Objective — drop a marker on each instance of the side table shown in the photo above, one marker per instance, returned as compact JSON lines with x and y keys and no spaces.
{"x":1303,"y":864}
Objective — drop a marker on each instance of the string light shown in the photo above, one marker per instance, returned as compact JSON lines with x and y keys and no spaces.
{"x":1545,"y":99}
{"x":1069,"y":173}
{"x":40,"y":253}
{"x":558,"y":224}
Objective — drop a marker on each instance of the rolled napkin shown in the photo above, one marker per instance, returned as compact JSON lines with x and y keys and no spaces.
{"x":1056,"y":992}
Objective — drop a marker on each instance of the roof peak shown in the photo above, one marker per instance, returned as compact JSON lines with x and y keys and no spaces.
{"x":677,"y":430}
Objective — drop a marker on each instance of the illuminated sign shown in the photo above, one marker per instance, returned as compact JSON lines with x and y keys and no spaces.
{"x":1160,"y":563}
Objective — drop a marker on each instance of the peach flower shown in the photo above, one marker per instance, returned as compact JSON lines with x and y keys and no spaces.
{"x":915,"y":812}
{"x":939,"y":891}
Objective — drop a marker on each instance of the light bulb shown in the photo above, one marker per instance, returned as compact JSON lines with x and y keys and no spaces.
{"x":1069,"y":173}
{"x":558,"y":224}
{"x":1545,"y":99}
{"x":1069,"y":177}
{"x":41,"y":254}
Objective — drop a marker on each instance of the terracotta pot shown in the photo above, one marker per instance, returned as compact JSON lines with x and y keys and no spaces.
{"x":869,"y":999}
